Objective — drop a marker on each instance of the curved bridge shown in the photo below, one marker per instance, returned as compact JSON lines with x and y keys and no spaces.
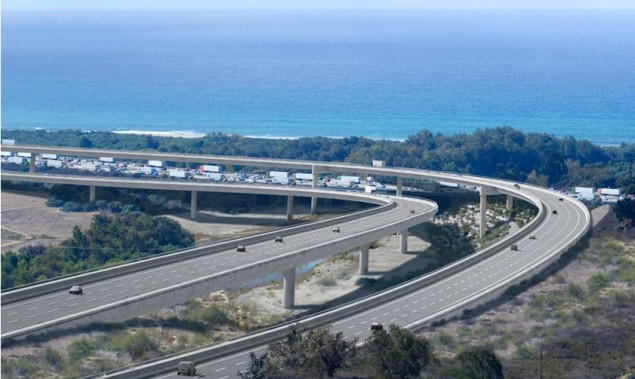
{"x":446,"y":292}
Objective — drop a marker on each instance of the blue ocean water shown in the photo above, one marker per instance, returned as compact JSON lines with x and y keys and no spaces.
{"x":383,"y":75}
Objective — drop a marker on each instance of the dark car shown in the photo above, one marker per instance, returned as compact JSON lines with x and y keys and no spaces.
{"x":412,"y":211}
{"x":514,"y":247}
{"x":241,"y":248}
{"x":76,"y":290}
{"x":376,"y":326}
{"x":532,"y":237}
{"x":336,"y":229}
{"x":186,"y":368}
{"x":560,"y":199}
{"x":554,"y":212}
{"x":278,"y":239}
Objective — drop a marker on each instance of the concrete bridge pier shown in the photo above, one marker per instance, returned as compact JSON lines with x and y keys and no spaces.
{"x":510,"y":202}
{"x":485,"y":191}
{"x":193,"y":205}
{"x":403,"y":241}
{"x":92,"y":194}
{"x":314,"y":185}
{"x":289,"y":208}
{"x":32,"y":163}
{"x":288,"y":286}
{"x":363,"y":259}
{"x":399,"y":190}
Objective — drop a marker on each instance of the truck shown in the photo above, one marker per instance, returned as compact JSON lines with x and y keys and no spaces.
{"x":17,"y":160}
{"x":49,"y":156}
{"x":107,"y":159}
{"x":92,"y":167}
{"x":370,"y":189}
{"x":179,"y":174}
{"x":8,"y":142}
{"x":278,"y":174}
{"x":278,"y":180}
{"x":377,"y":163}
{"x":211,"y":168}
{"x":53,"y":163}
{"x":147,"y":170}
{"x":340,"y":183}
{"x":352,"y":179}
{"x":6,"y":154}
{"x":24,"y":155}
{"x":215,"y":176}
{"x":154,"y":163}
{"x":303,"y":176}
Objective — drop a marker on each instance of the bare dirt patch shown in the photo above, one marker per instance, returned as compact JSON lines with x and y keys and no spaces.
{"x":28,"y":215}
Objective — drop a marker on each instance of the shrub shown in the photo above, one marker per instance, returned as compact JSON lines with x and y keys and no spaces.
{"x":598,"y":281}
{"x":136,"y":344}
{"x":80,"y":349}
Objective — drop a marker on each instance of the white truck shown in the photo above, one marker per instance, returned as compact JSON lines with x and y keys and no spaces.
{"x":279,"y":174}
{"x":49,"y":156}
{"x":280,"y":180}
{"x":179,"y":174}
{"x":154,"y":163}
{"x":211,"y":168}
{"x":352,"y":179}
{"x":215,"y":176}
{"x":17,"y":160}
{"x":303,"y":176}
{"x":107,"y":159}
{"x":147,"y":170}
{"x":53,"y":163}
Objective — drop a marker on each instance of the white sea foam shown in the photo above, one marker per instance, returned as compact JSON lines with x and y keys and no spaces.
{"x":180,"y":134}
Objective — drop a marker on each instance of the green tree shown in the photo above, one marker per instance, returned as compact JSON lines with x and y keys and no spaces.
{"x":396,"y":354}
{"x":259,"y":367}
{"x":478,"y":362}
{"x":326,"y":352}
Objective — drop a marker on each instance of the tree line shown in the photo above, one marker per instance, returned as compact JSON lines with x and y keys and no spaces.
{"x":501,"y":152}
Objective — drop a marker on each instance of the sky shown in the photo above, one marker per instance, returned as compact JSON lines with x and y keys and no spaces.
{"x":312,"y":4}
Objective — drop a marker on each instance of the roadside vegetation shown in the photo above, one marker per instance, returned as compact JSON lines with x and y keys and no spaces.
{"x":110,"y":239}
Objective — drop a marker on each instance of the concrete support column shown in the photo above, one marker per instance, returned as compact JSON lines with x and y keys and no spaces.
{"x":403,"y":241}
{"x":193,"y":206}
{"x":314,"y":184}
{"x":32,"y":163}
{"x":288,"y":286}
{"x":229,"y":169}
{"x":399,"y":186}
{"x":363,"y":259}
{"x":289,"y":208}
{"x":92,"y":194}
{"x":510,"y":202}
{"x":485,"y":191}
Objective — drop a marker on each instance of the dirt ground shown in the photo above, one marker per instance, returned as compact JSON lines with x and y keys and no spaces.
{"x":28,"y":215}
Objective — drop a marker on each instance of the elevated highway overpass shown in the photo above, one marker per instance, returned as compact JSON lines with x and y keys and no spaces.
{"x":446,"y":292}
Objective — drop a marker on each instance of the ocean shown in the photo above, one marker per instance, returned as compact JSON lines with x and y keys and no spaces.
{"x":289,"y":74}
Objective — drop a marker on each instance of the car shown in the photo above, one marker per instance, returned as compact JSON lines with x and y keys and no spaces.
{"x":514,"y":247}
{"x":241,"y":248}
{"x":376,"y":326}
{"x":412,"y":211}
{"x":186,"y":368}
{"x":76,"y":290}
{"x":532,"y":237}
{"x":555,"y":212}
{"x":336,"y":229}
{"x":517,"y":186}
{"x":560,"y":199}
{"x":278,"y":239}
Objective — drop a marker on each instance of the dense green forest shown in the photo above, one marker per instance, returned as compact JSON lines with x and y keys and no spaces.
{"x":502,"y":152}
{"x":110,"y":239}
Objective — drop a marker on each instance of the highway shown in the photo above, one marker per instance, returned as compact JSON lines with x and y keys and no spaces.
{"x":223,"y":270}
{"x":443,"y":298}
{"x":442,"y":294}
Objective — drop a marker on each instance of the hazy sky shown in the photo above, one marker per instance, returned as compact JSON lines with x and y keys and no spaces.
{"x":316,"y":4}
